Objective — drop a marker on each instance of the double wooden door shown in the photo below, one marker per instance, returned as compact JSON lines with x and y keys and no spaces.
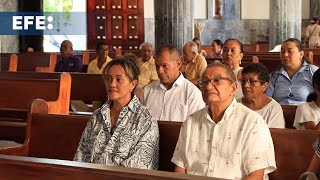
{"x":119,"y":22}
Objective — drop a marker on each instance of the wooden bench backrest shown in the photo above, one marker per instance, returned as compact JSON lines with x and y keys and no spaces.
{"x":15,"y":125}
{"x":293,"y":151}
{"x":88,"y":87}
{"x":13,"y":167}
{"x":56,"y":136}
{"x":169,"y":134}
{"x":289,"y":113}
{"x":17,"y":92}
{"x":30,"y":61}
{"x":5,"y":61}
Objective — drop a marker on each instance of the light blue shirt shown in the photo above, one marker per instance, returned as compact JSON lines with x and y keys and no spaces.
{"x":292,"y":91}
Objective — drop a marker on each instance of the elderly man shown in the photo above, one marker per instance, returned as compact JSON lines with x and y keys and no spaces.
{"x":172,"y":97}
{"x":68,"y":62}
{"x":148,"y":72}
{"x":225,"y":139}
{"x":193,"y":64}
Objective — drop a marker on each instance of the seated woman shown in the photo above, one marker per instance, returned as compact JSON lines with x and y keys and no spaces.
{"x":232,"y":54}
{"x":254,"y":82}
{"x":291,"y":84}
{"x":121,"y":132}
{"x":308,"y":114}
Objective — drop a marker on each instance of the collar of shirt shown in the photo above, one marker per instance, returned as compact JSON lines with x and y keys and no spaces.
{"x":131,"y":105}
{"x":304,"y":67}
{"x":178,"y":82}
{"x":227,"y":113}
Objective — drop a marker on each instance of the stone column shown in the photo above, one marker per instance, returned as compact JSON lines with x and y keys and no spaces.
{"x":9,"y":44}
{"x":173,"y":22}
{"x":285,"y":21}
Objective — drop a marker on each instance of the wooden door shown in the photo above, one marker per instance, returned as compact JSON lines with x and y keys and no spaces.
{"x":120,"y":22}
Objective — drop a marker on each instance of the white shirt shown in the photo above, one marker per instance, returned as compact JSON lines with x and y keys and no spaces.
{"x":174,"y":104}
{"x":308,"y":111}
{"x":233,"y":148}
{"x":239,"y":93}
{"x":272,"y":113}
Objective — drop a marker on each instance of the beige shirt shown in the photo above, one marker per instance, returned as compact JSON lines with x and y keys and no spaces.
{"x":148,"y":73}
{"x":195,"y":68}
{"x":313,"y":33}
{"x":232,"y":148}
{"x":93,"y":68}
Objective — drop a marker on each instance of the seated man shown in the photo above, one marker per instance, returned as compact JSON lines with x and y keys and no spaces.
{"x":193,"y":64}
{"x":148,"y":72}
{"x":68,"y":62}
{"x":225,"y":139}
{"x":172,"y":97}
{"x":96,"y":66}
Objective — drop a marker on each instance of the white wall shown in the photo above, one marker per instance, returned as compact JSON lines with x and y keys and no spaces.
{"x":149,"y":8}
{"x":253,"y":9}
{"x":305,"y":9}
{"x":200,"y":9}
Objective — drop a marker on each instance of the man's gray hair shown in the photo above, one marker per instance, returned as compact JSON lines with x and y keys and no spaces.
{"x":193,"y":45}
{"x":146,"y":44}
{"x":229,"y":71}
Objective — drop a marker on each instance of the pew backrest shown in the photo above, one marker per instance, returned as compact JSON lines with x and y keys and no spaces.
{"x":15,"y":125}
{"x":289,"y":113}
{"x":18,"y":92}
{"x":293,"y":151}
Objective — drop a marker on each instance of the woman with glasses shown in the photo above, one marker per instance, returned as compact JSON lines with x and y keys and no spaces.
{"x":292,"y":83}
{"x":122,"y":132}
{"x":254,"y":82}
{"x":231,"y":56}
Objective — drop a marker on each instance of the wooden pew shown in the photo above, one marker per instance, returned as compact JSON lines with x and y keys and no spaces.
{"x":85,"y":87}
{"x":5,"y":61}
{"x":37,"y":168}
{"x":293,"y":151}
{"x":15,"y":126}
{"x":290,"y":145}
{"x":30,"y":61}
{"x":17,"y":93}
{"x":289,"y":113}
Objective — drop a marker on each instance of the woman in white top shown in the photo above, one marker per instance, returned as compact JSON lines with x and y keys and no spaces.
{"x":232,"y":54}
{"x":313,"y":33}
{"x":308,"y":114}
{"x":254,"y":82}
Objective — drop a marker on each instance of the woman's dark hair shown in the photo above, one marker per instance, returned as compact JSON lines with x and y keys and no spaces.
{"x":195,"y":38}
{"x":258,"y":69}
{"x":314,"y":20}
{"x":316,"y":86}
{"x":240,"y":43}
{"x":218,"y":42}
{"x":130,"y":68}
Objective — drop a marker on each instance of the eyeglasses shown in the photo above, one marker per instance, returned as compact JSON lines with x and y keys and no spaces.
{"x":214,"y":81}
{"x":252,"y":82}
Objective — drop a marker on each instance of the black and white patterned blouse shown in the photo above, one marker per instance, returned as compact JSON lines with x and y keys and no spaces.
{"x":134,"y":142}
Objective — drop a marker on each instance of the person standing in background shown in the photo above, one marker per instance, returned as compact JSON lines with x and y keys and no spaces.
{"x":313,"y":33}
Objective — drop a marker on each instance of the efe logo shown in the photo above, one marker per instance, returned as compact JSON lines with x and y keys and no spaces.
{"x":23,"y":22}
